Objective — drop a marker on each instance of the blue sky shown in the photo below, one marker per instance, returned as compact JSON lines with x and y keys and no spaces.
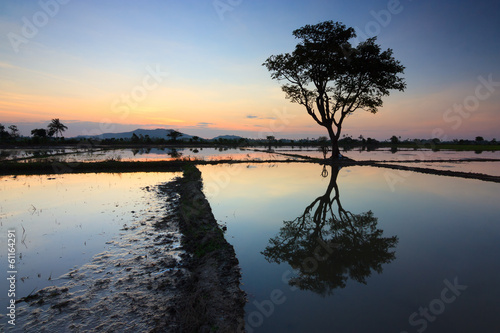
{"x":86,"y":55}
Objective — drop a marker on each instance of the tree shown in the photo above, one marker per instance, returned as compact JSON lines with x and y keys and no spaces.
{"x":479,"y":139}
{"x":4,"y":135}
{"x":331,"y":78}
{"x":14,"y":131}
{"x":134,"y":138}
{"x":39,"y":133}
{"x":174,"y":135}
{"x":270,"y":140}
{"x":56,"y":127}
{"x":394,"y":139}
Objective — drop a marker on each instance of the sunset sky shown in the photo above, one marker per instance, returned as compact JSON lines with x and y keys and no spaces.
{"x":196,"y":66}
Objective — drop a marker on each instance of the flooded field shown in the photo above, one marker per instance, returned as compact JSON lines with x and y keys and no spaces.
{"x":352,"y":249}
{"x":350,"y":253}
{"x":386,"y":154}
{"x":143,"y":154}
{"x":62,"y":221}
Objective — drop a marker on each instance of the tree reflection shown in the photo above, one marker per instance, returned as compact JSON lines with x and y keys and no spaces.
{"x":174,"y":153}
{"x":327,"y":245}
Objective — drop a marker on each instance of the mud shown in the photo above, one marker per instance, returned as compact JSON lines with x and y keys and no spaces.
{"x":173,"y":273}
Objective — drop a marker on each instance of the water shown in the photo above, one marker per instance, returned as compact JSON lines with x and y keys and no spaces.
{"x":418,"y":255}
{"x":62,"y":221}
{"x":386,"y":154}
{"x":143,"y":154}
{"x":321,"y":250}
{"x":488,"y":168}
{"x":21,"y":154}
{"x":265,"y":154}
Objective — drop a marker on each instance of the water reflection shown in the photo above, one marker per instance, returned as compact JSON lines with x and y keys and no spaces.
{"x":328,"y":245}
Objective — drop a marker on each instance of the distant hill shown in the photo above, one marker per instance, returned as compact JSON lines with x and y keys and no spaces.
{"x":159,"y":133}
{"x":227,"y":137}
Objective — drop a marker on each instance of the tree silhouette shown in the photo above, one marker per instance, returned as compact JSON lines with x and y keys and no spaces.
{"x":39,"y":133}
{"x":327,"y":245}
{"x":174,"y":135}
{"x":3,"y":133}
{"x":174,"y":153}
{"x":14,"y":131}
{"x":331,"y":78}
{"x":56,"y":127}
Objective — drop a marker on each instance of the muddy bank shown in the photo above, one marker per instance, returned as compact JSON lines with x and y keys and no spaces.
{"x":168,"y":273}
{"x":213,"y":300}
{"x":449,"y":173}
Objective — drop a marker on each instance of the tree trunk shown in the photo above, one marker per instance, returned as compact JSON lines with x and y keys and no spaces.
{"x":335,"y":144}
{"x":335,"y":149}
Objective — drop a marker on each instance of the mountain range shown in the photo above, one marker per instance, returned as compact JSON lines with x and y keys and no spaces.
{"x":159,"y":133}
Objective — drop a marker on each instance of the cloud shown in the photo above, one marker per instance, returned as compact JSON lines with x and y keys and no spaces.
{"x":204,"y":124}
{"x":252,"y":116}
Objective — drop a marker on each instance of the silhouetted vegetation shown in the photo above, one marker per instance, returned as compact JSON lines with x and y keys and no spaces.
{"x":56,"y":127}
{"x":332,"y":79}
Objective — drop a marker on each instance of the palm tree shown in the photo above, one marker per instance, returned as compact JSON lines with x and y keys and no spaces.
{"x":56,"y":127}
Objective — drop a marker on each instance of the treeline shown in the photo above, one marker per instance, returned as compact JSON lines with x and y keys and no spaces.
{"x":54,"y":130}
{"x":53,"y":134}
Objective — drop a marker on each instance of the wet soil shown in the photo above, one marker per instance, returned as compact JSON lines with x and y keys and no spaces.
{"x":174,"y":273}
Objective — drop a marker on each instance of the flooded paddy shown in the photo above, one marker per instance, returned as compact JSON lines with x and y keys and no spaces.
{"x":350,"y":253}
{"x":355,"y":249}
{"x":63,"y":221}
{"x":145,"y":154}
{"x":388,"y":154}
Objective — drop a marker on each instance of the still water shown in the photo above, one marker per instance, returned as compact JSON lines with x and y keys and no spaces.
{"x":387,"y":154}
{"x":62,"y":221}
{"x":142,"y":154}
{"x":347,"y":251}
{"x":69,"y":155}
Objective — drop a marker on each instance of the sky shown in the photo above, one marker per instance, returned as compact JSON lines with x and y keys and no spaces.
{"x":196,"y":66}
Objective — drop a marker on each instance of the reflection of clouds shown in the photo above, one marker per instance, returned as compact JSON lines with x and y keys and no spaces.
{"x":328,"y":245}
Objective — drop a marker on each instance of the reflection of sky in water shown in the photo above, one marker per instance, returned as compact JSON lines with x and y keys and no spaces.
{"x":489,"y":168}
{"x":401,"y":154}
{"x":447,"y":227}
{"x":279,"y":153}
{"x":156,"y":154}
{"x":69,"y":218}
{"x":12,"y":154}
